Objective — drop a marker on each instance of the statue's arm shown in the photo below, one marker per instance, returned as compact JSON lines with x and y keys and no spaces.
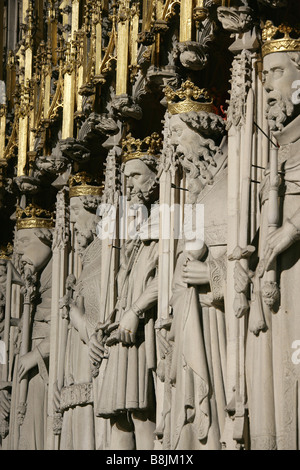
{"x":78,"y":320}
{"x":217,"y":276}
{"x":148,"y":298}
{"x":281,"y":239}
{"x":34,"y":358}
{"x":295,"y":221}
{"x":129,"y":324}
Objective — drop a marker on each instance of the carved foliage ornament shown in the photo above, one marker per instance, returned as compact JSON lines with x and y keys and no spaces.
{"x":236,"y":20}
{"x":241,"y":82}
{"x":61,"y":232}
{"x":192,"y":55}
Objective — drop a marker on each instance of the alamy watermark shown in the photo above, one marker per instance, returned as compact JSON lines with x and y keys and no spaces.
{"x":163,"y":221}
{"x":296,"y":94}
{"x":296,"y":353}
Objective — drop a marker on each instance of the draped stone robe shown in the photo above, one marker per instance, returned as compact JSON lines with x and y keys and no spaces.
{"x":272,"y":377}
{"x":32,"y":433}
{"x":198,"y":334}
{"x":128,"y":382}
{"x":78,"y":430}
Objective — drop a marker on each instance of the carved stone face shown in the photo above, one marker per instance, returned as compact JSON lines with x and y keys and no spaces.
{"x":179,"y":130}
{"x":192,"y":60}
{"x":34,"y":253}
{"x":280,"y":75}
{"x":183,"y":139}
{"x":140,"y":180}
{"x":84,"y":238}
{"x":187,"y":144}
{"x":84,"y":222}
{"x":79,"y":215}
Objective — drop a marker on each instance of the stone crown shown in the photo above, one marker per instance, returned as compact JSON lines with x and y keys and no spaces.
{"x":6,"y":252}
{"x":83,"y":184}
{"x":136,"y":148}
{"x":33,"y":217}
{"x":188,"y":98}
{"x":278,"y":39}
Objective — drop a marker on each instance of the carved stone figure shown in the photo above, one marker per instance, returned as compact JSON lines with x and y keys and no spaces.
{"x":5,"y":388}
{"x":2,"y":294}
{"x":192,"y":55}
{"x":236,"y":19}
{"x":27,"y":429}
{"x":198,"y":337}
{"x":272,"y":374}
{"x":75,"y":399}
{"x":127,"y":395}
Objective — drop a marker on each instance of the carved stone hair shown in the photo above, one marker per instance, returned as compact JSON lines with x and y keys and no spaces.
{"x":149,"y":160}
{"x":209,"y":129}
{"x":90,"y":203}
{"x":45,"y":235}
{"x":295,"y":58}
{"x":208,"y":124}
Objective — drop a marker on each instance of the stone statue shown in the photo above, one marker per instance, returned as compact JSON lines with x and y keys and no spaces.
{"x":272,"y":373}
{"x":2,"y":294}
{"x":33,"y":245}
{"x":5,"y":388}
{"x":75,"y":399}
{"x":197,"y":337}
{"x":127,"y":395}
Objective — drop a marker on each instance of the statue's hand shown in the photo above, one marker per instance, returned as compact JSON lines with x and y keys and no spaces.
{"x":279,"y":241}
{"x":242,"y":278}
{"x":27,"y":362}
{"x":128,"y":327}
{"x":163,"y":344}
{"x":4,"y":404}
{"x":196,"y":272}
{"x":75,"y":314}
{"x":96,"y":349}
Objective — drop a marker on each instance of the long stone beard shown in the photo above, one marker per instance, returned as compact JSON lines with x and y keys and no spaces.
{"x":86,"y":237}
{"x":142,"y":197}
{"x":279,"y":112}
{"x":197,"y":158}
{"x":138,"y":197}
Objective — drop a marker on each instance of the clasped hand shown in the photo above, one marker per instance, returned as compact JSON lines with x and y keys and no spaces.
{"x":278,"y":242}
{"x":195,"y":272}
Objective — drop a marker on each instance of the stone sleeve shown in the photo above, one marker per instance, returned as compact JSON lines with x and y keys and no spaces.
{"x":217,"y":267}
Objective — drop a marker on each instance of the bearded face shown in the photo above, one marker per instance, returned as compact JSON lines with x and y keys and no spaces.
{"x":85,"y":223}
{"x":278,"y":110}
{"x":84,"y":236}
{"x":34,"y":254}
{"x":279,"y":74}
{"x":183,"y":140}
{"x":140,"y":182}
